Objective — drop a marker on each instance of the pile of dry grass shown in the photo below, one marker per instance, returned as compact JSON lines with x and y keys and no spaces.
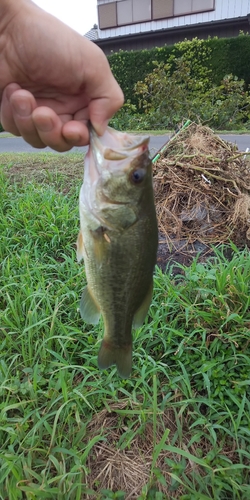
{"x":116,"y":464}
{"x":202,"y":189}
{"x":125,"y":461}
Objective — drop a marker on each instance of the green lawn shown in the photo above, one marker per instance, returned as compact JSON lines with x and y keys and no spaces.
{"x":179,"y":428}
{"x":158,"y":132}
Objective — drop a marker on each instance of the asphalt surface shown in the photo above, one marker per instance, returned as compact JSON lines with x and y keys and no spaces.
{"x":18,"y":145}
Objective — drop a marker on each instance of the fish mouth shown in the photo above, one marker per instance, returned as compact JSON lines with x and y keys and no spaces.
{"x":113,"y":149}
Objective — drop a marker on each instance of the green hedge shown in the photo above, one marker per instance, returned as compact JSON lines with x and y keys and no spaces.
{"x":130,"y":67}
{"x":228,"y":56}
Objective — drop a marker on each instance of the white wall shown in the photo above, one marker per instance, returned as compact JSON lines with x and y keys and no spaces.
{"x":224,"y":9}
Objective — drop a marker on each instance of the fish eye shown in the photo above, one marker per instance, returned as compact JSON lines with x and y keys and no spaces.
{"x":138,"y":175}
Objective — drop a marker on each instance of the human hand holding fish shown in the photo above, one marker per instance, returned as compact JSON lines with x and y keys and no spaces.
{"x":118,"y":241}
{"x":52,"y":79}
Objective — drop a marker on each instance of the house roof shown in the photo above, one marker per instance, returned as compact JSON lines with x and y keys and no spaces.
{"x":92,"y":34}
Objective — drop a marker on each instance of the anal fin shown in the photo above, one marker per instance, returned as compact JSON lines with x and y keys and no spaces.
{"x":141,"y":312}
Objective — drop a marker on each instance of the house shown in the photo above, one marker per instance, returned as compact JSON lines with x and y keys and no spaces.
{"x":142,"y":24}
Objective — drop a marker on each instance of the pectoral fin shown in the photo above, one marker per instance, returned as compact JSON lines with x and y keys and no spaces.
{"x":79,"y":247}
{"x":89,"y":310}
{"x":99,"y":242}
{"x":141,"y":312}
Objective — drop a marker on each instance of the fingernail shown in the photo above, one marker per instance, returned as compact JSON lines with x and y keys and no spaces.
{"x":100,"y":127}
{"x":74,"y":140}
{"x":22,"y":107}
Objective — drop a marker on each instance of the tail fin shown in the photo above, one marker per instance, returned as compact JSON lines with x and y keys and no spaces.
{"x":112,"y":355}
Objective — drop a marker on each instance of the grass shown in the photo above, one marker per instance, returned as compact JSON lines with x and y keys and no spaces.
{"x":6,"y":135}
{"x":179,"y":428}
{"x":59,"y":170}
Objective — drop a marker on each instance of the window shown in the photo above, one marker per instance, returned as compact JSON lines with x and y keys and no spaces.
{"x":182,"y":7}
{"x":141,"y":11}
{"x":107,"y":15}
{"x":206,"y":5}
{"x":124,"y":12}
{"x":162,"y":8}
{"x":131,"y":11}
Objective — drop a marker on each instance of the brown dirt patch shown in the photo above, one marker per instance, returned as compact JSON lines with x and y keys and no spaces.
{"x":128,"y":467}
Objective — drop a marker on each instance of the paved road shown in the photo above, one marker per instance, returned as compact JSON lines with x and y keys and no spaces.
{"x":18,"y":145}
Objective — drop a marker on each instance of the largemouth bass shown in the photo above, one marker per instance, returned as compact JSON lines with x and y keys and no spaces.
{"x":118,"y":240}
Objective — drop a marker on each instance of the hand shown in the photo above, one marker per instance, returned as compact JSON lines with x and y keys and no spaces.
{"x":52,"y":80}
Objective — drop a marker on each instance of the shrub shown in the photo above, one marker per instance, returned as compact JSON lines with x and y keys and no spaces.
{"x":129,"y":67}
{"x":212,"y":59}
{"x":183,"y":87}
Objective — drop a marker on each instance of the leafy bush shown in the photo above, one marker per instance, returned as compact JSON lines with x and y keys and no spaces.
{"x":129,"y":67}
{"x":127,"y":118}
{"x":227,"y":105}
{"x":183,"y":87}
{"x":230,"y":56}
{"x":223,"y":56}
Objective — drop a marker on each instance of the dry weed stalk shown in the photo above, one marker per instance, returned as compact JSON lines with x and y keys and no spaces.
{"x":202,"y":189}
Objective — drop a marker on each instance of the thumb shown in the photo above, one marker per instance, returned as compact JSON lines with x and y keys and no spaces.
{"x":102,"y":109}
